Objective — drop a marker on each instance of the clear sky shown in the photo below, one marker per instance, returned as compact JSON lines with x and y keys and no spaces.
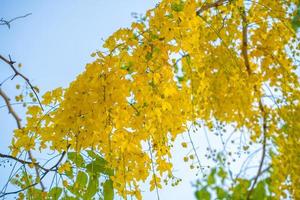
{"x":55,"y":43}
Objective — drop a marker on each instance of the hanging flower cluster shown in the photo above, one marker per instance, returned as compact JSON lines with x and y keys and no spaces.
{"x":185,"y":60}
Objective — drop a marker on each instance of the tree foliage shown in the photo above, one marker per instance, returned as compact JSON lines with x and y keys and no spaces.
{"x":232,"y":62}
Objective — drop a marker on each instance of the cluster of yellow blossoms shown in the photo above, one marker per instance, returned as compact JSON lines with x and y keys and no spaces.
{"x":185,"y":60}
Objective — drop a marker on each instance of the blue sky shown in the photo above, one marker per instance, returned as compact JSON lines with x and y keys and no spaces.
{"x":54,"y":44}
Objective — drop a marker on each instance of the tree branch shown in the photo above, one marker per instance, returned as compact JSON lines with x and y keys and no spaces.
{"x":18,"y":121}
{"x":245,"y":42}
{"x":17,"y":73}
{"x":259,"y":171}
{"x":207,"y":6}
{"x":41,"y":178}
{"x":261,"y":107}
{"x":10,"y":109}
{"x":8,"y":22}
{"x":24,"y":162}
{"x":262,"y":172}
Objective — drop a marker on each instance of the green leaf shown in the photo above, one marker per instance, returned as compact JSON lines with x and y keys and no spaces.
{"x":108,"y":190}
{"x":154,"y":37}
{"x":259,"y":191}
{"x":68,"y":198}
{"x":69,"y":173}
{"x":76,"y":158}
{"x":177,"y":7}
{"x":99,"y":166}
{"x":92,"y":154}
{"x":245,"y":148}
{"x":80,"y":183}
{"x":28,"y":180}
{"x":211,"y":178}
{"x":296,"y":19}
{"x":73,"y":190}
{"x":127,"y":66}
{"x":180,"y":78}
{"x":188,"y":59}
{"x":241,"y":189}
{"x":222,"y":174}
{"x":92,"y":188}
{"x":221,"y":194}
{"x":55,"y":193}
{"x":202,"y":194}
{"x":148,"y":56}
{"x":81,"y":179}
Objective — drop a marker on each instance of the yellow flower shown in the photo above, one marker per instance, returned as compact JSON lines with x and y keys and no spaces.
{"x":184,"y":144}
{"x":64,"y":167}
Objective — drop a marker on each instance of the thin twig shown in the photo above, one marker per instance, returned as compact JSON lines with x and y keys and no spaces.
{"x":195,"y":152}
{"x":17,"y":73}
{"x":39,"y":180}
{"x":8,"y":22}
{"x":153,"y":170}
{"x":18,"y":121}
{"x":259,"y":171}
{"x":263,"y":171}
{"x":10,"y":109}
{"x":24,"y":162}
{"x":210,"y":5}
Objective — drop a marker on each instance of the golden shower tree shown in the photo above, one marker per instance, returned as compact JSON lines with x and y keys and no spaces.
{"x":221,"y":61}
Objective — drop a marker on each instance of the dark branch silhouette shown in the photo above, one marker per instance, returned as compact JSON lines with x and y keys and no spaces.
{"x":18,"y":121}
{"x":8,"y":22}
{"x":207,"y":6}
{"x":17,"y":73}
{"x":53,"y":168}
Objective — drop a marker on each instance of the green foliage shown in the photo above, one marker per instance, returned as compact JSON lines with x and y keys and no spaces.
{"x":108,"y":190}
{"x":177,"y":7}
{"x":92,"y":187}
{"x":221,"y":193}
{"x":202,"y":194}
{"x":99,"y":166}
{"x":54,"y":193}
{"x":211,"y":178}
{"x":84,"y":180}
{"x":218,"y":185}
{"x":296,"y":19}
{"x":240,"y":190}
{"x":260,"y":191}
{"x":81,"y":179}
{"x":76,"y":158}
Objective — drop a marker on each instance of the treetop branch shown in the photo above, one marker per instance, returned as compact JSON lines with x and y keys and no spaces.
{"x":207,"y":6}
{"x":8,"y":22}
{"x":17,"y":73}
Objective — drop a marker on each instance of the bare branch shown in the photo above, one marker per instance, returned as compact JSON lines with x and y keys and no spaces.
{"x":17,"y":73}
{"x":8,"y":22}
{"x":263,"y":171}
{"x":259,"y":171}
{"x":24,"y":162}
{"x":53,"y":168}
{"x":10,"y":109}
